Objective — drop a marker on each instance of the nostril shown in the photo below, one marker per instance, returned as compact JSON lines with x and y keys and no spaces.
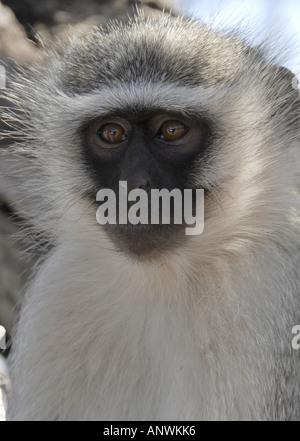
{"x":144,"y":185}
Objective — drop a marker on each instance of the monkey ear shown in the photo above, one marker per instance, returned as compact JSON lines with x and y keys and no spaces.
{"x":285,"y":90}
{"x":287,"y":80}
{"x":289,"y":77}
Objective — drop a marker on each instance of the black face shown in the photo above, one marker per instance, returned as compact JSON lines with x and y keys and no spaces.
{"x":156,"y":151}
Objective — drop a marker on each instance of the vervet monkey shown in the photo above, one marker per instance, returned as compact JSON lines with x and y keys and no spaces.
{"x":144,"y":322}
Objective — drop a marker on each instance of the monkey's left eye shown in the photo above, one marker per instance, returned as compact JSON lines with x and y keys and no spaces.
{"x":112,"y":133}
{"x":172,"y":130}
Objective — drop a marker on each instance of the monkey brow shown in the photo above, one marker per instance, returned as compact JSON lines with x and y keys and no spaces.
{"x":139,"y":97}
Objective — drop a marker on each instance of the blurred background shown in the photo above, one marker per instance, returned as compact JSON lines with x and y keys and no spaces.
{"x":262,"y":19}
{"x":21,"y":21}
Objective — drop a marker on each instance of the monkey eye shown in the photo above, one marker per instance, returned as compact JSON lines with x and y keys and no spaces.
{"x":112,"y":133}
{"x":172,"y":130}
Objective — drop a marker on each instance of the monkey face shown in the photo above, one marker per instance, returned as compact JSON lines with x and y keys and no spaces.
{"x":163,"y":104}
{"x":148,"y":151}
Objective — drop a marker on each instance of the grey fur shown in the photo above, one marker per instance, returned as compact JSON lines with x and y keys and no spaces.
{"x":204,"y":332}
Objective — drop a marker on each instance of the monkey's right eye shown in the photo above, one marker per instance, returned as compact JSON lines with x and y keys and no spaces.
{"x":112,"y":133}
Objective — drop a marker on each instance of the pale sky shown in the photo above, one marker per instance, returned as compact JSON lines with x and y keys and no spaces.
{"x":276,"y":19}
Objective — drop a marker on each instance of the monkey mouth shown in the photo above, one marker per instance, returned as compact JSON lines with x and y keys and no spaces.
{"x":144,"y":225}
{"x":146,"y":240}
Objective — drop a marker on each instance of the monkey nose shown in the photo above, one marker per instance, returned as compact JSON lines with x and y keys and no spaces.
{"x":145,"y":184}
{"x":139,"y":181}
